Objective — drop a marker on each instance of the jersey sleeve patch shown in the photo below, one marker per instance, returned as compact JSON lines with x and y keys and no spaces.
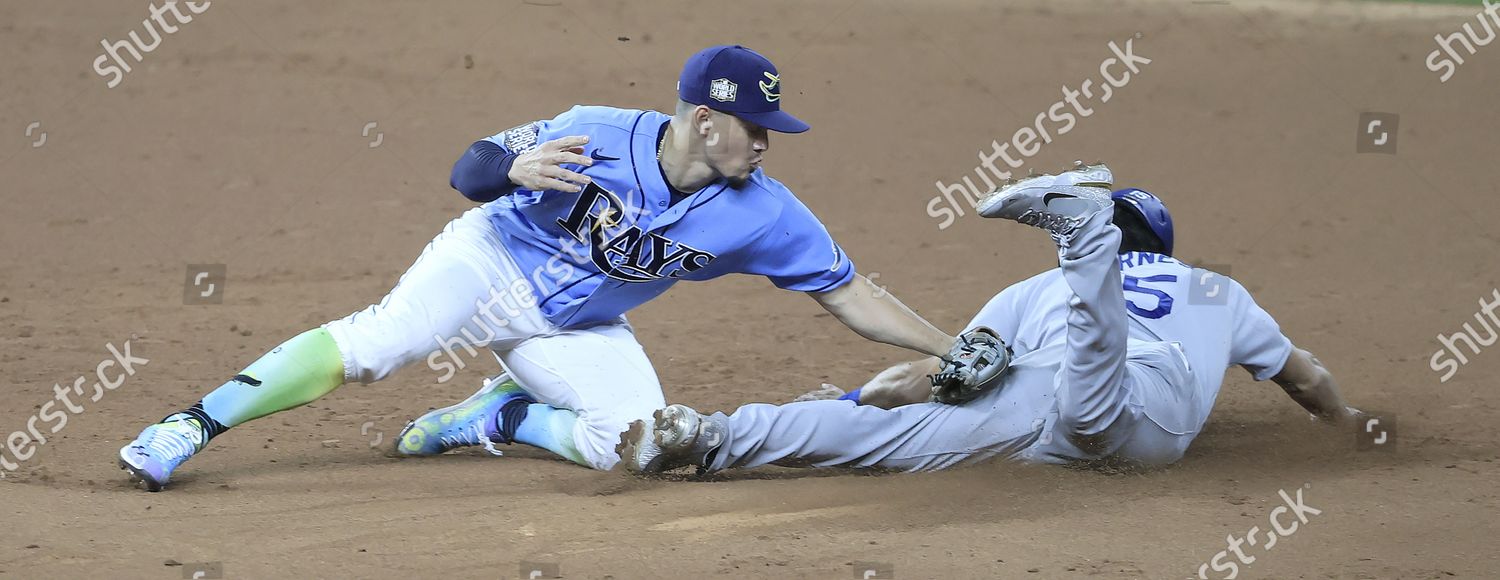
{"x":522,"y":138}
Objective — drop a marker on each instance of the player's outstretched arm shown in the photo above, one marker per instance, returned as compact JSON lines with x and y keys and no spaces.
{"x":875,"y":314}
{"x":1308,"y":383}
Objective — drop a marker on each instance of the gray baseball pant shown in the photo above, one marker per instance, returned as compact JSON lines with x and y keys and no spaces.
{"x":1080,"y":401}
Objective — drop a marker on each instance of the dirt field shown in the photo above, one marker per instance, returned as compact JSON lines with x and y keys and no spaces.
{"x":243,"y":140}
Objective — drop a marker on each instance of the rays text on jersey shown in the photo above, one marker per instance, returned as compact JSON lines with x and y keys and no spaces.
{"x":629,"y":254}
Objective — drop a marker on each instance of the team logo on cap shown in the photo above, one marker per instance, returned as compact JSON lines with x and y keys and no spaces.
{"x":771,"y":89}
{"x":723,"y":90}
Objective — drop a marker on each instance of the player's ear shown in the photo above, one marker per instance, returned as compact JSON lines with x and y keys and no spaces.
{"x":703,"y":120}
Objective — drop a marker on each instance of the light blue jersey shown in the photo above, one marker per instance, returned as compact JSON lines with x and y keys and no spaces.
{"x":626,"y":238}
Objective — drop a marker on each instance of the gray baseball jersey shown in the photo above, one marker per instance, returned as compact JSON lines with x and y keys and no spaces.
{"x":1210,"y":317}
{"x":1117,"y":355}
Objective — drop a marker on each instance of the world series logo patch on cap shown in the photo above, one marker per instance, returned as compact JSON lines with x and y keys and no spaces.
{"x":722,"y":90}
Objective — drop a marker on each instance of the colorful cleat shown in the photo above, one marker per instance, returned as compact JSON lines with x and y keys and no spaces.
{"x":162,"y":447}
{"x":1058,"y":203}
{"x":679,"y":437}
{"x":475,"y":421}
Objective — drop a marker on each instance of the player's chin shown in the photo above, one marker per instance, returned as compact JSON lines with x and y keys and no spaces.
{"x":741,"y":178}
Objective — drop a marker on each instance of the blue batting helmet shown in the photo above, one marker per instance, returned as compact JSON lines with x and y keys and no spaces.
{"x":1151,"y":209}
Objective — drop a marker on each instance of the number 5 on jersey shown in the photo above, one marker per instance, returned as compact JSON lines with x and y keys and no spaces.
{"x":1163,"y":300}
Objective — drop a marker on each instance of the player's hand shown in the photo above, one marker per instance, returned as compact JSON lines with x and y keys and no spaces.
{"x":1345,"y":416}
{"x":826,"y":392}
{"x":541,"y":169}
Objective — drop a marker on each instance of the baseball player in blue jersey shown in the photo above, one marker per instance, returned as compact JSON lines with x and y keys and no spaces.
{"x":1114,"y":360}
{"x":584,"y":217}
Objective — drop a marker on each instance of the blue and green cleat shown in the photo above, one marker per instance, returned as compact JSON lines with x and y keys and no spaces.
{"x":475,"y":421}
{"x":157,"y":452}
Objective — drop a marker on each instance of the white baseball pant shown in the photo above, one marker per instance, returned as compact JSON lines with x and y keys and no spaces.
{"x":464,"y":292}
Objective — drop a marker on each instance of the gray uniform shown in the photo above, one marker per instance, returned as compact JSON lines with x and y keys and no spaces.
{"x":1098,"y":373}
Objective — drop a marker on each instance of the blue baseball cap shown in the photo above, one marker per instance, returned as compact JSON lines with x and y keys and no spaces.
{"x":739,"y":81}
{"x":1152,"y":210}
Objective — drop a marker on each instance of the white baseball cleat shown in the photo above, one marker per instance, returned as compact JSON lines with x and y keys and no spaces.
{"x":678,"y":437}
{"x":1056,"y":203}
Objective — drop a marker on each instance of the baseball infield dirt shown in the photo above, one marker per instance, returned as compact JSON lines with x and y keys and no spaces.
{"x":305,"y":146}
